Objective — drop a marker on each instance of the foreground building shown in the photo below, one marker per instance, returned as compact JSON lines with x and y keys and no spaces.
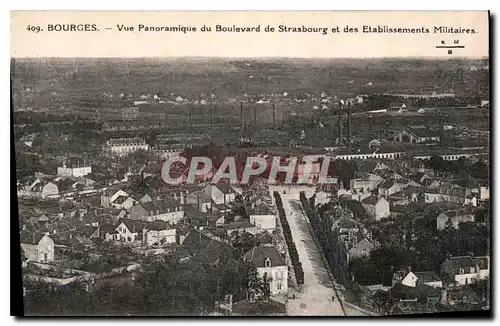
{"x":271,"y":267}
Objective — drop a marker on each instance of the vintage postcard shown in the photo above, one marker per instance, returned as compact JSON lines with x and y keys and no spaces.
{"x":265,"y":163}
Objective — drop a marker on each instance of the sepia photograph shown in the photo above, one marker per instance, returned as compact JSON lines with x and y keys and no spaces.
{"x":251,"y":163}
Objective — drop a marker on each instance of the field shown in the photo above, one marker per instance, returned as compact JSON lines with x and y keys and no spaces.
{"x":55,"y":83}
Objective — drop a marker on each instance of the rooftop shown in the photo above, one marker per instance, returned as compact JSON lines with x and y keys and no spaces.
{"x":258,"y":255}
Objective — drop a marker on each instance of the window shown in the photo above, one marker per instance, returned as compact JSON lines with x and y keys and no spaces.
{"x":267,"y":262}
{"x":129,"y":239}
{"x":471,"y":270}
{"x":278,"y":286}
{"x":461,"y":271}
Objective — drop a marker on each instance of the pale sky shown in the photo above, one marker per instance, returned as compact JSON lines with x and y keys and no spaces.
{"x":109,"y":42}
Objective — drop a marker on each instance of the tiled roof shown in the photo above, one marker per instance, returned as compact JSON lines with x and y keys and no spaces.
{"x":158,"y":225}
{"x":482,"y":262}
{"x":214,"y":249}
{"x":31,"y":237}
{"x":462,"y":262}
{"x":161,"y":206}
{"x":239,"y":225}
{"x":225,"y":188}
{"x":371,"y":200}
{"x":120,"y":200}
{"x":422,"y":131}
{"x":133,"y":225}
{"x":265,"y":238}
{"x":86,"y":231}
{"x":425,"y":277}
{"x":257,"y":256}
{"x":387,"y":184}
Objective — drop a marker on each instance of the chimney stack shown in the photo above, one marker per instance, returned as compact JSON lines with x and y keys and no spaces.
{"x":274,"y":115}
{"x":441,"y":128}
{"x":349,"y":123}
{"x":190,"y":119}
{"x":210,"y":118}
{"x":340,"y":123}
{"x":241,"y":116}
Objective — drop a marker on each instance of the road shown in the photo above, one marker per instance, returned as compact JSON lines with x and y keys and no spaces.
{"x":316,"y":298}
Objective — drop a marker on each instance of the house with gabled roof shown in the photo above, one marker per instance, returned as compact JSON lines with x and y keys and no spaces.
{"x":460,"y":269}
{"x":158,"y":233}
{"x":127,"y":230}
{"x":221,"y":193}
{"x":409,"y":278}
{"x":271,"y":266}
{"x":197,"y":243}
{"x":37,"y":247}
{"x":123,"y":202}
{"x":201,"y":200}
{"x":482,"y":266}
{"x":41,"y":188}
{"x":391,"y":186}
{"x":240,"y":227}
{"x":169,"y":211}
{"x":85,"y":233}
{"x":110,"y":195}
{"x":417,"y":134}
{"x":454,"y":217}
{"x":377,"y":208}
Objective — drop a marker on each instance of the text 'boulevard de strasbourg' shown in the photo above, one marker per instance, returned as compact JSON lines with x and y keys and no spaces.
{"x":301,"y":29}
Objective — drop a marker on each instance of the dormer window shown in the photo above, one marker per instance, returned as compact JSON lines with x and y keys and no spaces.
{"x":461,"y":271}
{"x":267,"y":262}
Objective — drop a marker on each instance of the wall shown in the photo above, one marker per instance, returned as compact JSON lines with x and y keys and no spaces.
{"x":31,"y":251}
{"x":265,"y":222}
{"x":464,"y":279}
{"x":443,"y":218}
{"x":274,"y":272}
{"x":49,"y":189}
{"x":152,"y":236}
{"x":75,"y":172}
{"x":484,"y":193}
{"x":172,"y":217}
{"x":382,"y":209}
{"x":125,"y":233}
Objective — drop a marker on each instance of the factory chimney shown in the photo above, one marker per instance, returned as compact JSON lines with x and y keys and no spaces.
{"x":190,"y":119}
{"x":210,"y":112}
{"x":349,"y":125}
{"x":274,"y":114}
{"x":340,"y":121}
{"x":441,"y":128}
{"x":241,"y":116}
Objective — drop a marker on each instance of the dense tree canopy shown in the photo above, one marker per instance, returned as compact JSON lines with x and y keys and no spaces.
{"x":164,"y":288}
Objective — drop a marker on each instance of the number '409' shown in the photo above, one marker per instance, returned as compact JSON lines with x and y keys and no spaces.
{"x":34,"y":29}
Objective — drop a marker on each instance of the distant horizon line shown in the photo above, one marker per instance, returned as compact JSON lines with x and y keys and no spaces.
{"x":267,"y":58}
